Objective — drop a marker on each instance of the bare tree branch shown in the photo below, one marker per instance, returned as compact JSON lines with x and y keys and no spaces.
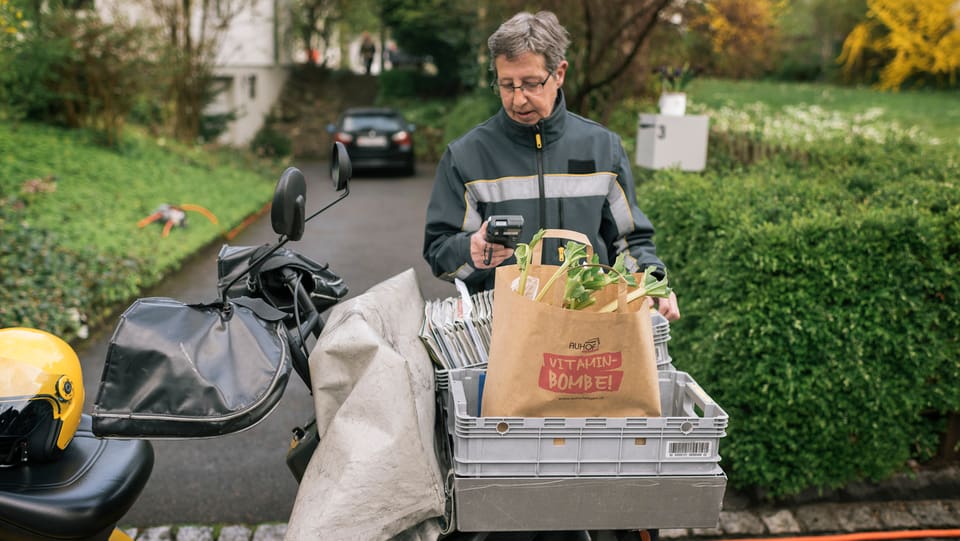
{"x":618,"y":69}
{"x":610,"y":37}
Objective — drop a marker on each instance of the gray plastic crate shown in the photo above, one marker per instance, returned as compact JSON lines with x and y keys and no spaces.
{"x":497,"y":504}
{"x":684,"y":441}
{"x":442,"y":377}
{"x":661,"y":335}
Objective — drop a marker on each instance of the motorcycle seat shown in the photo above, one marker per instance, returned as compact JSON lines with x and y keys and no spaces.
{"x":81,"y":495}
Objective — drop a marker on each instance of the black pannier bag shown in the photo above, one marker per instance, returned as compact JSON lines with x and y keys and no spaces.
{"x":176,"y":370}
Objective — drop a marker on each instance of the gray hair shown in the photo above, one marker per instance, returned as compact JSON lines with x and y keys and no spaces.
{"x":524,"y":33}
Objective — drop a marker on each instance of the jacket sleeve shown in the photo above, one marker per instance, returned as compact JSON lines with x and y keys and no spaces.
{"x":638,"y":241}
{"x":446,"y":246}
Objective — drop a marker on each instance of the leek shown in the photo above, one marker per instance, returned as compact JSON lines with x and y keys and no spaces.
{"x":523,"y":252}
{"x":584,"y":280}
{"x":651,"y":287}
{"x":573,"y":252}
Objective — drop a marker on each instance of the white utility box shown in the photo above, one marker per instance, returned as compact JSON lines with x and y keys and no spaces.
{"x":672,"y":141}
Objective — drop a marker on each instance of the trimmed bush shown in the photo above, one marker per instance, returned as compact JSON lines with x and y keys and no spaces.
{"x":468,"y":112}
{"x":406,"y":83}
{"x":441,"y":121}
{"x":271,"y":143}
{"x":820,"y":308}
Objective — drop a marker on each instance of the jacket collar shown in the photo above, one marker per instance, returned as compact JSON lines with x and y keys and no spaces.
{"x":551,"y":128}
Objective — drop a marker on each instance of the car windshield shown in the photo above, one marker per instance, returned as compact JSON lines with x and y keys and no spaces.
{"x":368,"y":122}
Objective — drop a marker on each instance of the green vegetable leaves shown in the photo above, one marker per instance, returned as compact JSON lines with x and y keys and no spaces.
{"x":584,"y":280}
{"x":651,"y":287}
{"x":523,"y":252}
{"x":586,"y":276}
{"x":573,"y":252}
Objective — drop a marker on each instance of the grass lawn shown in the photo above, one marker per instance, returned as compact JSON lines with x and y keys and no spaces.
{"x":935,"y":114}
{"x":92,"y":197}
{"x":71,"y":246}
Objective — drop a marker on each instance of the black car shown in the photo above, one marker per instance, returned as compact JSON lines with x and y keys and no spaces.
{"x":376,"y":138}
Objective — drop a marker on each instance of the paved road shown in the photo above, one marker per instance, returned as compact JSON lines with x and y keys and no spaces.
{"x":372,"y":235}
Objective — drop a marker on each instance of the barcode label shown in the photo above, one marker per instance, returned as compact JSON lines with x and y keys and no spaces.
{"x":678,"y":449}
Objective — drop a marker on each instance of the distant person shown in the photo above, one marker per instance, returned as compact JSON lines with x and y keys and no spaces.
{"x":399,"y":58}
{"x":393,"y":55}
{"x":367,"y":51}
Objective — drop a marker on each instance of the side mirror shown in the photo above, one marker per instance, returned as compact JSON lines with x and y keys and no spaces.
{"x":411,"y":128}
{"x":331,"y":128}
{"x":340,"y":167}
{"x":288,"y":213}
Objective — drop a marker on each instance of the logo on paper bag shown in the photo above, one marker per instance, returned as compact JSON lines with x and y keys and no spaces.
{"x":592,"y":344}
{"x":579,"y":374}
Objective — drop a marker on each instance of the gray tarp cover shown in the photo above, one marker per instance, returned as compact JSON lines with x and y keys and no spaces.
{"x":374,"y":475}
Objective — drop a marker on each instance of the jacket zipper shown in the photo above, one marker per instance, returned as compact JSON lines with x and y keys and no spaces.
{"x":543,"y":198}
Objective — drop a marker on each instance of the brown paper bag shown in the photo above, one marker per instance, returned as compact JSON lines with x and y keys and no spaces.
{"x":547,"y":361}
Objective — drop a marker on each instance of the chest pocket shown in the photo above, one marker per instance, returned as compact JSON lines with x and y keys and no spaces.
{"x":580,"y":167}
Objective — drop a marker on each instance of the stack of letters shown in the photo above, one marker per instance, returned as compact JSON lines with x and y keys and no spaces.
{"x":456,"y":330}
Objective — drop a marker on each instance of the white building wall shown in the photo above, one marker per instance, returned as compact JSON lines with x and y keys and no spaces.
{"x":254,"y":36}
{"x":252,"y":58}
{"x":249,"y":92}
{"x":251,"y":63}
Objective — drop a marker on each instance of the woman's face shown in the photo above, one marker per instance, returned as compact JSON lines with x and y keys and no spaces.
{"x":534,"y":103}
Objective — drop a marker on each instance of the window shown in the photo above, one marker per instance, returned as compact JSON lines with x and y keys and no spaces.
{"x":369,"y":122}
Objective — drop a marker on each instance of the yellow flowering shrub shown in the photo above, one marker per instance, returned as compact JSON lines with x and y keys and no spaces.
{"x":915,"y":37}
{"x":742,"y":35}
{"x":11,"y":19}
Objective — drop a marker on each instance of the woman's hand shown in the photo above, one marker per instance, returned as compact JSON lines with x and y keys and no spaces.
{"x":481,"y":250}
{"x":669,"y":307}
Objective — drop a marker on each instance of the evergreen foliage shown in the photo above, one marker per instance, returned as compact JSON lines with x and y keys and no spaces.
{"x":820,"y":302}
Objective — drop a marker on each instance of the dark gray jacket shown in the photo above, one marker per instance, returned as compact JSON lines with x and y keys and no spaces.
{"x":567,"y":172}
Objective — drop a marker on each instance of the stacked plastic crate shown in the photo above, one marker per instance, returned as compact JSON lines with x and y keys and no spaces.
{"x":536,"y":473}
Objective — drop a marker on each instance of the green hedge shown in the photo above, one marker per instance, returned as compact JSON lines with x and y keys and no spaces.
{"x":820,"y":304}
{"x":48,"y":286}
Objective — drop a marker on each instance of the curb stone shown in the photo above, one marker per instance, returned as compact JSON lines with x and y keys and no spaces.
{"x":897,"y":517}
{"x":740,"y":523}
{"x":234,"y":533}
{"x":818,"y":518}
{"x":936,"y":514}
{"x":269,"y":532}
{"x":158,"y":533}
{"x":780,"y":522}
{"x":853,"y":517}
{"x":195,"y":533}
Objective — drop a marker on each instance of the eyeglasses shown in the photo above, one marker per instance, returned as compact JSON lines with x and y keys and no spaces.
{"x":528,"y":89}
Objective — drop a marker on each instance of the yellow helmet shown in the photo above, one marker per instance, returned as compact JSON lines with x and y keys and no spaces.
{"x":41,"y":395}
